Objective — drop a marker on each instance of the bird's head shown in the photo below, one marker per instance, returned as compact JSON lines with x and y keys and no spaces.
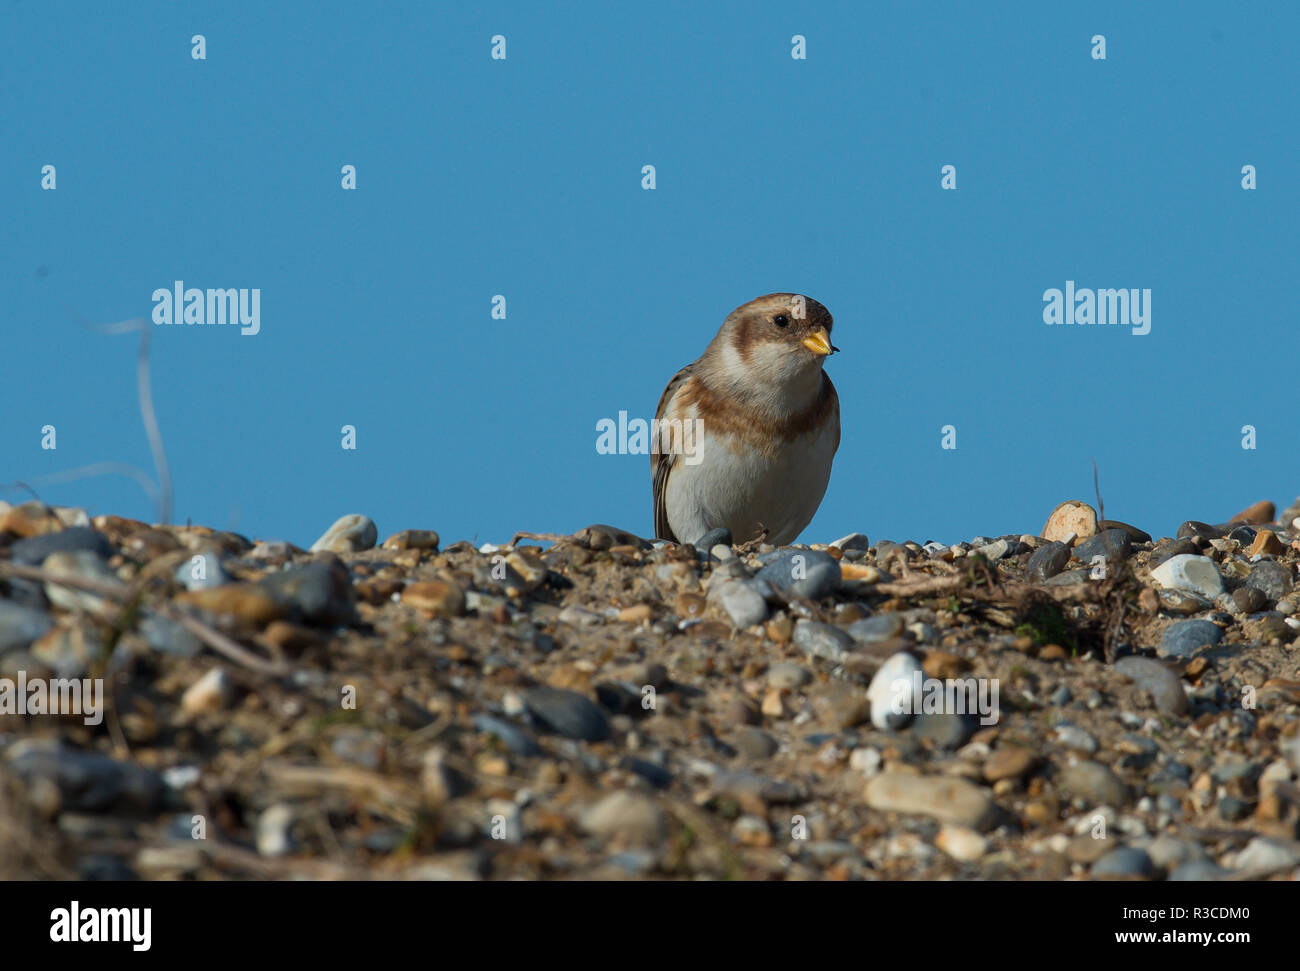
{"x":773,"y":348}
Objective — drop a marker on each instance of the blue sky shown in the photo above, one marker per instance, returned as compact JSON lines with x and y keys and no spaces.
{"x":522,"y":177}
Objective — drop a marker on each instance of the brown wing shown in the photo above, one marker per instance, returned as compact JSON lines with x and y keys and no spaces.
{"x":662,"y":465}
{"x":835,"y":409}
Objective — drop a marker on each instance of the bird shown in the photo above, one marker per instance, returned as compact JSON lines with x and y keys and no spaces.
{"x":768,"y":419}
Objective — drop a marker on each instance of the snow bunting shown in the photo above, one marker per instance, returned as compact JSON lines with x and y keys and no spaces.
{"x":770,"y":420}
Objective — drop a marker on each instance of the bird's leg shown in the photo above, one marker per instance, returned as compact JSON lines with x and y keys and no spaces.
{"x":752,"y":546}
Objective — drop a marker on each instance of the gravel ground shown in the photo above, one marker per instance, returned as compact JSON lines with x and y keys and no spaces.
{"x":1093,"y":704}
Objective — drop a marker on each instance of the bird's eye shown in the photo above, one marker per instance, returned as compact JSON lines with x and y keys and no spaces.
{"x":781,"y":320}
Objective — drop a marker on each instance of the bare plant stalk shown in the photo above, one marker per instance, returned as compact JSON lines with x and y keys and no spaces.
{"x":147,"y":413}
{"x":100,"y":468}
{"x":1096,"y":487}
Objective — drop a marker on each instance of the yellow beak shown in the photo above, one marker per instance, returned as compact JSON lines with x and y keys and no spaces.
{"x":818,"y":342}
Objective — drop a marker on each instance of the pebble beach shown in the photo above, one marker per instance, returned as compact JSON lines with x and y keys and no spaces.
{"x":603,"y":706}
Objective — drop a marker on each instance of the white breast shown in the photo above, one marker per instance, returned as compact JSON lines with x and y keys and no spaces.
{"x":747,"y":490}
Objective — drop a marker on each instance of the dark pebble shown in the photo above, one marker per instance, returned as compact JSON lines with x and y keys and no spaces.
{"x":1168,"y":548}
{"x":1249,"y":599}
{"x":514,"y":738}
{"x":656,"y":775}
{"x":1233,"y":809}
{"x":1048,"y":560}
{"x":1245,"y":535}
{"x":319,"y":592}
{"x":945,"y":730}
{"x":602,"y":537}
{"x":1113,"y":544}
{"x":568,"y":713}
{"x":33,"y":550}
{"x":1194,"y":528}
{"x":1134,"y":534}
{"x":87,"y":781}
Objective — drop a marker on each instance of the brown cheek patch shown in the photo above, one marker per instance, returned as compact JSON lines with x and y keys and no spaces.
{"x":744,"y":342}
{"x":741,"y":428}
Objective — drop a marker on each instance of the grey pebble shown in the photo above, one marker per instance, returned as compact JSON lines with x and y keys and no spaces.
{"x":754,"y":743}
{"x":1157,"y":680}
{"x":1182,"y":638}
{"x":515,"y":739}
{"x":788,"y":676}
{"x":809,"y":574}
{"x":1198,"y":871}
{"x":1271,"y":578}
{"x":817,"y":639}
{"x":20,"y":625}
{"x":1094,"y":784}
{"x":943,"y":730}
{"x":202,"y":571}
{"x":742,"y":600}
{"x":165,"y":635}
{"x":873,"y":630}
{"x":1125,"y":862}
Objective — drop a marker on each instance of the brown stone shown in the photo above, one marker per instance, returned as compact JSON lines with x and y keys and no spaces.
{"x":1261,"y":512}
{"x":1266,"y":541}
{"x":742,"y":711}
{"x":947,"y":799}
{"x":1085,"y":849}
{"x":246,"y":602}
{"x":407,"y":559}
{"x":118,"y":527}
{"x":689,"y":605}
{"x":30,"y":519}
{"x":1039,"y":812}
{"x":436,"y":598}
{"x":412,"y":539}
{"x":1071,"y":517}
{"x":291,"y":638}
{"x":780,"y":628}
{"x":1280,"y":689}
{"x":1009,"y":762}
{"x":635,"y":614}
{"x":942,"y":665}
{"x":379,"y":590}
{"x":773,"y":705}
